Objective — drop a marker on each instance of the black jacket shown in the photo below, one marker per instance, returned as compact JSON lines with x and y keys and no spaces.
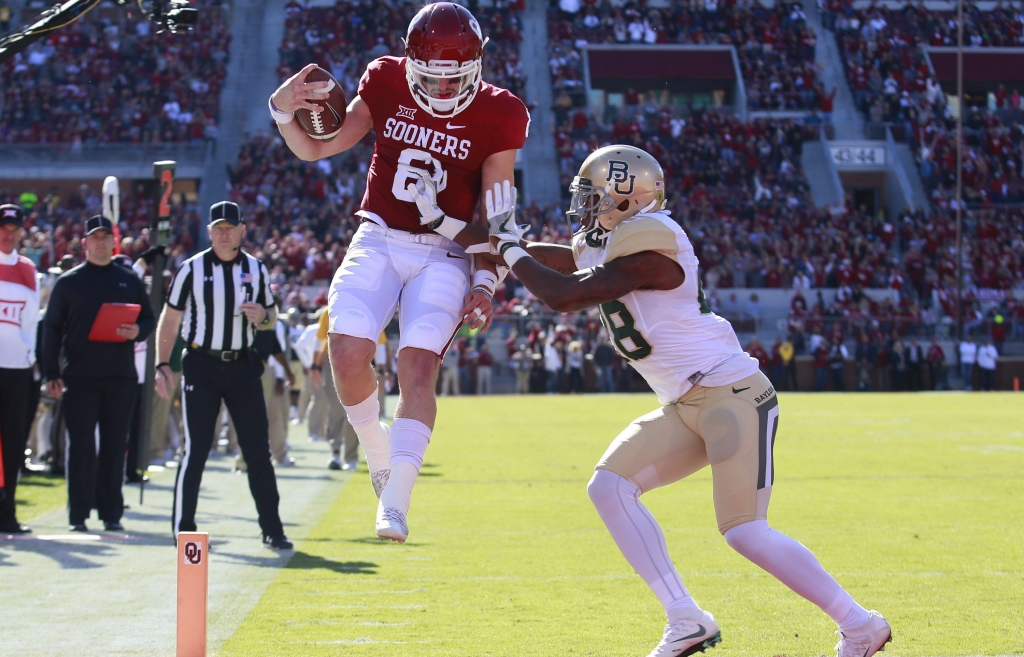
{"x":74,"y":303}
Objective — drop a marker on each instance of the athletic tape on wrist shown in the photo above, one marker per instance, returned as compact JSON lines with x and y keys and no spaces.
{"x":279,"y":116}
{"x":512,"y":252}
{"x":447,"y":226}
{"x":485,"y":280}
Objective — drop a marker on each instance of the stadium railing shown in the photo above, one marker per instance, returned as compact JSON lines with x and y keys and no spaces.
{"x":56,"y":153}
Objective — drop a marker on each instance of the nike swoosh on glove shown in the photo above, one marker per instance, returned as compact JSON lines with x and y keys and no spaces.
{"x":501,"y":214}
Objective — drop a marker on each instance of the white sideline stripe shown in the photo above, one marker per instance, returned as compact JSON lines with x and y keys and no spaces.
{"x":350,"y":607}
{"x":328,"y":622}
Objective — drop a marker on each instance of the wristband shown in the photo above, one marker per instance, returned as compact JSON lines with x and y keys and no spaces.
{"x":486,"y":281}
{"x":512,"y":252}
{"x":484,"y":291}
{"x":159,"y":365}
{"x":447,"y":226}
{"x":279,"y":116}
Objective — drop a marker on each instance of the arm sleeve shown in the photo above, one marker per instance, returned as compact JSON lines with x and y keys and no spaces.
{"x":181,"y":287}
{"x":146,"y":320}
{"x":53,"y":332}
{"x":264,"y":296}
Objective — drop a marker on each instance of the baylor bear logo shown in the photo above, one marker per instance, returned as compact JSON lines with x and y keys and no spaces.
{"x":618,"y":173}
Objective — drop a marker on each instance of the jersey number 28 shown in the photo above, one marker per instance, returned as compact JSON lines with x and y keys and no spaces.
{"x":622,"y":325}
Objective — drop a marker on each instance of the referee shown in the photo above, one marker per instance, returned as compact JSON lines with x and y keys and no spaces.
{"x":218,"y":299}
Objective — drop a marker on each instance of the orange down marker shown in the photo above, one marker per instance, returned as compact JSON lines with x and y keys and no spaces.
{"x":193,"y":580}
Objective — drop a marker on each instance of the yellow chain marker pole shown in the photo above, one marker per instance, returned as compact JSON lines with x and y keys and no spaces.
{"x":193,"y":585}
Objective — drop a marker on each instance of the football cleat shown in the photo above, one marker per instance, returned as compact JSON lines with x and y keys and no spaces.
{"x":391,"y":524}
{"x":688,"y":637}
{"x":865,"y":640}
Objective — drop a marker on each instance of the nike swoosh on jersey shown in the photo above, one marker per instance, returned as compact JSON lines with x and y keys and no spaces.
{"x":454,"y":127}
{"x":450,"y":255}
{"x":700,"y":631}
{"x":736,"y":392}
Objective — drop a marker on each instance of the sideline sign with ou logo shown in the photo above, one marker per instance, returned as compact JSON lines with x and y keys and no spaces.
{"x":193,"y":553}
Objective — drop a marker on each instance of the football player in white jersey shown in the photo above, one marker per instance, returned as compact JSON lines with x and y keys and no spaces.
{"x":631,"y":259}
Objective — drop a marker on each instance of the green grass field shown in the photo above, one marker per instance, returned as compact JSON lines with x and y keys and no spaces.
{"x":914,"y":502}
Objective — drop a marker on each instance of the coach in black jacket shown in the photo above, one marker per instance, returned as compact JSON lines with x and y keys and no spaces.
{"x":97,"y":379}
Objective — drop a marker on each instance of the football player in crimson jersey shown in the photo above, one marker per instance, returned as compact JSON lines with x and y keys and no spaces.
{"x":441,"y":127}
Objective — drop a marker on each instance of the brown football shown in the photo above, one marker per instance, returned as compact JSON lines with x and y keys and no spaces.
{"x":326,"y":125}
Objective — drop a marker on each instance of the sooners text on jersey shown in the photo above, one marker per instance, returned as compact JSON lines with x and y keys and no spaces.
{"x":408,"y":137}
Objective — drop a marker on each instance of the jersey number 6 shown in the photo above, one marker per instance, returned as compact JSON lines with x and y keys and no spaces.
{"x":404,"y":174}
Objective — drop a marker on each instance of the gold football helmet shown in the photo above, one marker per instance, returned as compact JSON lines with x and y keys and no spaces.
{"x":615,"y":183}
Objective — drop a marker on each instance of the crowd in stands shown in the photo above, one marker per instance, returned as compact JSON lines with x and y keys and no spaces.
{"x":885,"y":64}
{"x":774,"y":44}
{"x":109,"y":77}
{"x":344,"y":37}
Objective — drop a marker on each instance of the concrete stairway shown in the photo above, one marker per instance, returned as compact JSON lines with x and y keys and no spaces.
{"x":826,"y":190}
{"x":848,"y":122}
{"x":256,"y":28}
{"x":540,"y":172}
{"x":918,"y":194}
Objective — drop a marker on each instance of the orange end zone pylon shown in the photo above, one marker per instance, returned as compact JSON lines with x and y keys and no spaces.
{"x":193,"y":584}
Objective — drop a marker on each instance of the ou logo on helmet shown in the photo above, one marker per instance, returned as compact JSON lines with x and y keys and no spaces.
{"x":475,"y":26}
{"x":618,"y":174}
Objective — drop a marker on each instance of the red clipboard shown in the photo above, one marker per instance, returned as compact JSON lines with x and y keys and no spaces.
{"x":110,"y":317}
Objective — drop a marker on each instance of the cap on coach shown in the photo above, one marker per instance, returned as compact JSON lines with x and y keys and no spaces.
{"x":98,"y":379}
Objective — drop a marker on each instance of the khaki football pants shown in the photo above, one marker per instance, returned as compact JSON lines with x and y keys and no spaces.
{"x":732,"y":428}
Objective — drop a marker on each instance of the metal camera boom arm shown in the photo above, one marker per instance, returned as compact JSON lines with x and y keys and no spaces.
{"x":173,"y":15}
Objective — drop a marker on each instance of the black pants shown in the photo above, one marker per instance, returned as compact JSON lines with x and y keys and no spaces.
{"x":14,"y":396}
{"x":95,"y":474}
{"x":206,"y":381}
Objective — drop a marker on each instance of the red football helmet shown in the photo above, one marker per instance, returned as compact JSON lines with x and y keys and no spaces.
{"x":443,"y":50}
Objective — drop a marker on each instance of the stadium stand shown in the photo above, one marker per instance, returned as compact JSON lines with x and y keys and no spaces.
{"x":109,"y":78}
{"x":774,"y":44}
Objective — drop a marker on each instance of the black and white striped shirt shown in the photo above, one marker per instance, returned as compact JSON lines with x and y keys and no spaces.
{"x":210,"y":291}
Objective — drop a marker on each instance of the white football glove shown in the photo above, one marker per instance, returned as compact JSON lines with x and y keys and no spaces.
{"x":424,"y":195}
{"x":501,"y":215}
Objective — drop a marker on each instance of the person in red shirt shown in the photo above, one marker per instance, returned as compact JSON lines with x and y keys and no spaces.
{"x":936,"y":359}
{"x":442,"y":135}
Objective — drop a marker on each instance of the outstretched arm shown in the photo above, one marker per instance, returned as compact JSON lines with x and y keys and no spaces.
{"x":646,"y":270}
{"x":294,"y":94}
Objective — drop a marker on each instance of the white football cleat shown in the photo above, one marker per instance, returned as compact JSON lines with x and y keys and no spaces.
{"x":688,"y":636}
{"x":865,"y":640}
{"x":391,"y":524}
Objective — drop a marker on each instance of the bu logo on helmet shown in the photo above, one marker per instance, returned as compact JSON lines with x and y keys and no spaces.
{"x":618,"y":173}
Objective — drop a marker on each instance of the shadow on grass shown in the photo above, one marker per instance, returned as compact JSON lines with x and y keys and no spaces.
{"x":305,"y":561}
